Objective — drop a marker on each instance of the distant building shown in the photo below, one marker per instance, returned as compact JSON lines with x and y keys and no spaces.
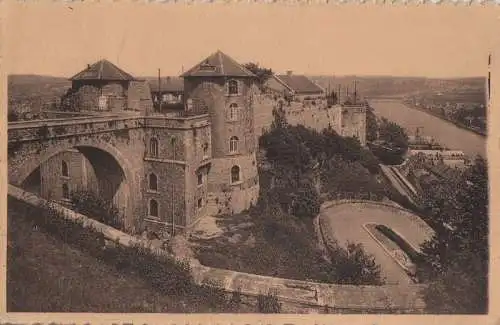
{"x":103,"y":86}
{"x":450,"y":158}
{"x":167,"y":90}
{"x":298,"y":87}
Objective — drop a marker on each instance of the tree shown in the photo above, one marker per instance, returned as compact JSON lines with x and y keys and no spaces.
{"x":262,"y":73}
{"x":458,"y":254}
{"x":371,"y":126}
{"x":393,"y":134}
{"x":351,"y":265}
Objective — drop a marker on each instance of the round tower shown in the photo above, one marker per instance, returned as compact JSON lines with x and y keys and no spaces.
{"x":224,"y":89}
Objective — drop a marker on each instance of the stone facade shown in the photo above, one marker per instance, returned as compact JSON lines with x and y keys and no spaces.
{"x":354,"y":122}
{"x":233,"y":142}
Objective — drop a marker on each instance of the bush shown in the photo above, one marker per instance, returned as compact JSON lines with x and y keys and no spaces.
{"x":351,"y":265}
{"x":93,"y":206}
{"x":12,"y":116}
{"x":268,"y":304}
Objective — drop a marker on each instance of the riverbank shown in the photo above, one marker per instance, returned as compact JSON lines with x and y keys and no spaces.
{"x":457,"y":124}
{"x":444,"y":132}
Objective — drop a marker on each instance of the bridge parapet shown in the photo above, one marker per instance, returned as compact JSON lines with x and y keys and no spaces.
{"x":54,"y":128}
{"x":47,"y":129}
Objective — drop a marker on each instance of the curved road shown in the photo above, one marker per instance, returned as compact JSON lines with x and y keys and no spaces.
{"x":345,"y":222}
{"x":444,"y":132}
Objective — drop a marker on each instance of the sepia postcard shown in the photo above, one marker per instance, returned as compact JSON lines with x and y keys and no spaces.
{"x":276,"y":163}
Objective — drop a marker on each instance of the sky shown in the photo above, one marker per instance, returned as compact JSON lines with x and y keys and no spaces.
{"x":433,"y":41}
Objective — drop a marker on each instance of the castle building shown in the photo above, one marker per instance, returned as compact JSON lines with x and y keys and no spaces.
{"x":226,"y":90}
{"x":103,"y":86}
{"x":298,"y":87}
{"x":185,"y":166}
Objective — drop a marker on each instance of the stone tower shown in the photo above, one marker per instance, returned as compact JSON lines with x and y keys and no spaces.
{"x":225,"y":90}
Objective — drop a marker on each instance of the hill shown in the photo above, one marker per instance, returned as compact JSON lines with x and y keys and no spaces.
{"x":388,"y":86}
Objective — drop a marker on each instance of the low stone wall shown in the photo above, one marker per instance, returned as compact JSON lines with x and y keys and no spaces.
{"x":296,"y":296}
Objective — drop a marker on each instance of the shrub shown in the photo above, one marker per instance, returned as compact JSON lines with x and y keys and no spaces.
{"x":352,"y":265}
{"x":93,"y":206}
{"x":12,"y":116}
{"x":268,"y":304}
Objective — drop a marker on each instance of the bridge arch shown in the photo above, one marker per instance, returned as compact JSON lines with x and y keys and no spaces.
{"x":116,"y":178}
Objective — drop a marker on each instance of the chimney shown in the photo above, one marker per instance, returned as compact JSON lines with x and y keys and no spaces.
{"x":88,"y":66}
{"x":289,"y":72}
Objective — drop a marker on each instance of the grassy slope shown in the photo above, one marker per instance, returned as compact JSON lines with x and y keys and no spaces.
{"x":47,"y":275}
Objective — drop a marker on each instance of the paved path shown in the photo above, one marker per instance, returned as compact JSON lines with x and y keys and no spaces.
{"x":345,"y":223}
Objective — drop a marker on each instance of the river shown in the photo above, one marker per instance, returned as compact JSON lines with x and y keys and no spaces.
{"x":445,"y":133}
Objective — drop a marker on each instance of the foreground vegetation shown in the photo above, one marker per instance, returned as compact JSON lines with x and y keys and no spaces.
{"x":458,"y":255}
{"x":56,"y":265}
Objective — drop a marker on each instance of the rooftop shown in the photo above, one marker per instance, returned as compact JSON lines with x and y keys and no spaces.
{"x":299,"y":83}
{"x":167,"y":84}
{"x":218,"y":64}
{"x":103,"y":70}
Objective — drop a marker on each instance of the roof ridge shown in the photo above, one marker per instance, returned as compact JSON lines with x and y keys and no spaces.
{"x":101,"y":69}
{"x":219,"y":52}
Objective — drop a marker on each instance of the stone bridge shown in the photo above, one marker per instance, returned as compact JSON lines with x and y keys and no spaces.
{"x":115,"y":149}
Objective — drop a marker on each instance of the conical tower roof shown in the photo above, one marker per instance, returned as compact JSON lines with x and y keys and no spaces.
{"x":103,"y":70}
{"x":218,"y":64}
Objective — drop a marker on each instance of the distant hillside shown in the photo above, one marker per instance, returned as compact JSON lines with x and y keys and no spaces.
{"x":41,"y":89}
{"x":380,"y":86}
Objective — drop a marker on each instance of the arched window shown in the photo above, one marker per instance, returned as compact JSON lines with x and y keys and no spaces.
{"x":153,"y":208}
{"x":65,"y":191}
{"x":153,"y":147}
{"x":153,"y":182}
{"x":233,"y":144}
{"x":233,"y":87}
{"x":235,"y":174}
{"x":64,"y":169}
{"x":233,"y":112}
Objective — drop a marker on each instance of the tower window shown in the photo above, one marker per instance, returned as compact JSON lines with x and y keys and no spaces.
{"x":153,"y":147}
{"x":200,"y":203}
{"x":205,"y":150}
{"x":153,"y":208}
{"x":233,"y":112}
{"x":65,"y":191}
{"x":153,"y":182}
{"x":235,"y":174}
{"x":233,"y":87}
{"x":233,"y":144}
{"x":64,"y":169}
{"x":200,"y":178}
